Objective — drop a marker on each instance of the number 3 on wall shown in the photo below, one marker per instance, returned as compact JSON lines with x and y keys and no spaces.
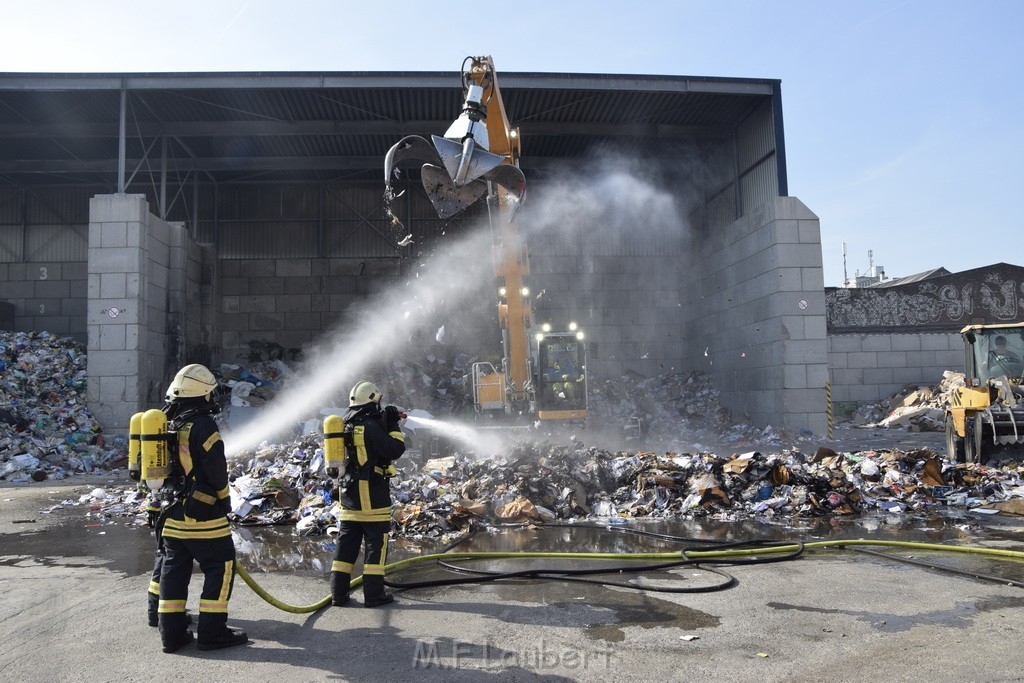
{"x":42,"y":308}
{"x":42,"y":273}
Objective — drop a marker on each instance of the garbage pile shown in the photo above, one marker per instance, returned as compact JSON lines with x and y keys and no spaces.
{"x":538,"y":482}
{"x":672,"y":409}
{"x":253,"y":385}
{"x":46,"y":429}
{"x":914,"y":408}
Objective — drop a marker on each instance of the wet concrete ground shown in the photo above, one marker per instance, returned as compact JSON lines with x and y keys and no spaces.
{"x":74,"y":587}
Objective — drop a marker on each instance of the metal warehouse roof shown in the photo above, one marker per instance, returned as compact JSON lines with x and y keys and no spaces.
{"x":65,"y":128}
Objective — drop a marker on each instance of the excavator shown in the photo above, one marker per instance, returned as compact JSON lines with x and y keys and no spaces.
{"x":478,"y":159}
{"x":986,"y":415}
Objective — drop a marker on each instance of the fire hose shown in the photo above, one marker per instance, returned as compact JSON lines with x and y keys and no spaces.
{"x":742,"y":553}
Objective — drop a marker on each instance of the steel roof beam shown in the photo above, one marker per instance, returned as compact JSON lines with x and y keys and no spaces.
{"x":218,"y":164}
{"x":378,"y":80}
{"x":198,"y":129}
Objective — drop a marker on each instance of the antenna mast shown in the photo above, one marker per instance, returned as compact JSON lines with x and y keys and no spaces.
{"x":846,"y":279}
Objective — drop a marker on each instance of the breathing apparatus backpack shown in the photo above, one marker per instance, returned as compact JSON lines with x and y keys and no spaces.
{"x":153,"y":450}
{"x":336,"y":442}
{"x":340,"y":458}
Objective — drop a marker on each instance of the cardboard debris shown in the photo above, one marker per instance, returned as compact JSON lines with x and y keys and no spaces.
{"x":46,"y":431}
{"x":1014,"y":507}
{"x":914,"y":408}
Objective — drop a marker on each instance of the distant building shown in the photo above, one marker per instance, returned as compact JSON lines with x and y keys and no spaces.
{"x":907,"y":330}
{"x":873,"y":278}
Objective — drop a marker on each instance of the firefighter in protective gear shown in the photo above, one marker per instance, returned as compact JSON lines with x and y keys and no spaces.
{"x":196,"y":526}
{"x":154,"y":521}
{"x":373,"y":441}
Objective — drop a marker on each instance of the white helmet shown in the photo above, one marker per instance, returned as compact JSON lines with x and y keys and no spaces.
{"x":192,"y":381}
{"x":363,"y":392}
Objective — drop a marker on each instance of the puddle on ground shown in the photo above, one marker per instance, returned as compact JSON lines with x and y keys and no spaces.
{"x":957,"y":617}
{"x":78,"y":539}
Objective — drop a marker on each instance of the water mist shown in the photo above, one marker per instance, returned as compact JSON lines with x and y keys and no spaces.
{"x":453,"y":277}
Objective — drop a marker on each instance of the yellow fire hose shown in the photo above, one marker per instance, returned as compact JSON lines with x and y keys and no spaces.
{"x":664,"y":556}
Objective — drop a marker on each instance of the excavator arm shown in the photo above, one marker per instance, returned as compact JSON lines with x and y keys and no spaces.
{"x":478,"y":157}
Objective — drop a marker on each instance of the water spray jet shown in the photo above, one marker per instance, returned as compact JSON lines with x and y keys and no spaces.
{"x":385,"y":325}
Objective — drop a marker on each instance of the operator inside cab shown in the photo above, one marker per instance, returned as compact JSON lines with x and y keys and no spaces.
{"x":1003,"y":360}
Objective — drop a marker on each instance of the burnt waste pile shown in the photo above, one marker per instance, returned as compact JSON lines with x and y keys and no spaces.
{"x":534,"y":483}
{"x":662,"y":470}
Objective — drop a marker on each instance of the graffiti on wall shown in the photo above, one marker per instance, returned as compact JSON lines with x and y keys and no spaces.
{"x":989,"y":295}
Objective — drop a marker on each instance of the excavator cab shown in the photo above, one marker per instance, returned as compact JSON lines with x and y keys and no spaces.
{"x":987,"y":414}
{"x":560,"y":379}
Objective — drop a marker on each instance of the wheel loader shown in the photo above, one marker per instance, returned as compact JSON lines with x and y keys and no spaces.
{"x":985,"y":417}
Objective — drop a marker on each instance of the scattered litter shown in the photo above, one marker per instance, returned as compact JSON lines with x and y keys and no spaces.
{"x":689,"y":638}
{"x":46,"y":429}
{"x":914,"y":408}
{"x":46,"y":432}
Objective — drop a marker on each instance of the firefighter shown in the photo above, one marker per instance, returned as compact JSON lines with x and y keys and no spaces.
{"x":196,"y":527}
{"x":154,"y":522}
{"x":374,"y":440}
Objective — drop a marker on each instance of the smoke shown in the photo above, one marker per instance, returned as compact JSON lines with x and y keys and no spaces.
{"x":379,"y":330}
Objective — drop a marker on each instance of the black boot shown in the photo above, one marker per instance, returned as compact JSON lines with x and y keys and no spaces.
{"x":228,"y":638}
{"x":373,"y":592}
{"x":174,"y":644}
{"x":173,"y":631}
{"x":339,"y":588}
{"x":378,"y":600}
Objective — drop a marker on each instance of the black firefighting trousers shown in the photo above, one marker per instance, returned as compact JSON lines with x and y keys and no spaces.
{"x":216,"y":557}
{"x":352,"y":536}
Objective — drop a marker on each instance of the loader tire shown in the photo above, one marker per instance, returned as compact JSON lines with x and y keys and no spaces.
{"x":972,"y":439}
{"x":954,"y":442}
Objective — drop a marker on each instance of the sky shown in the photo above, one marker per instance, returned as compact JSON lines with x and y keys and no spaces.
{"x":902,"y":117}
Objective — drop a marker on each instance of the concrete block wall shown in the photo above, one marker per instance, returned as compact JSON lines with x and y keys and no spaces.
{"x":866,"y":368}
{"x":47,"y":297}
{"x":629,"y":307}
{"x":755,"y":315}
{"x":290,"y":302}
{"x":138,"y":280}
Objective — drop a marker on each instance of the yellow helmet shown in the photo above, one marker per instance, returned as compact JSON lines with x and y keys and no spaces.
{"x":363,"y":392}
{"x":192,"y":381}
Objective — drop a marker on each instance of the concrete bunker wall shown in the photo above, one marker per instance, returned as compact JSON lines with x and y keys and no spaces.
{"x":755,"y":313}
{"x":145,"y":309}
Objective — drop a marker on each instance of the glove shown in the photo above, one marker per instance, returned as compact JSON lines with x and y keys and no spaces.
{"x":391,"y":418}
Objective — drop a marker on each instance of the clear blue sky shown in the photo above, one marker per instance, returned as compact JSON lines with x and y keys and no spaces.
{"x":903,"y":117}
